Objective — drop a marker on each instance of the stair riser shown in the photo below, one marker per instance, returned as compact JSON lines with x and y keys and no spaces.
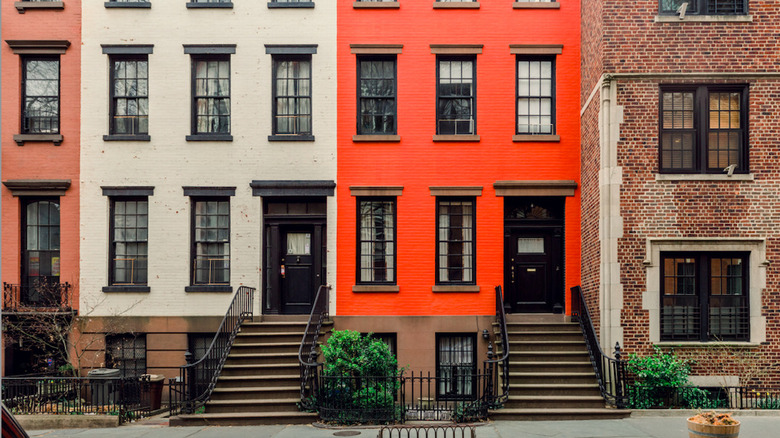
{"x":515,"y":328}
{"x":552,"y":379}
{"x":548,"y":357}
{"x":530,"y":367}
{"x":243,"y":395}
{"x":274,"y":328}
{"x":556,"y":404}
{"x":266,"y":360}
{"x":267,"y":338}
{"x":258,"y":383}
{"x":547,"y":337}
{"x":265,"y":349}
{"x":280,"y":371}
{"x":242,"y":406}
{"x":578,"y":347}
{"x":554,"y":391}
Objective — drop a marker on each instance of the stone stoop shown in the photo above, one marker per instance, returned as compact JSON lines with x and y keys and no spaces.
{"x":260,"y":381}
{"x":550,"y":374}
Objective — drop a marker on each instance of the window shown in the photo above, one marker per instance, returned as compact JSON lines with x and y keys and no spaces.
{"x":129,"y":93}
{"x":455,"y":241}
{"x":129,"y":230}
{"x":456,"y":359}
{"x":456,"y":95}
{"x":705,"y":7}
{"x":198,"y":344}
{"x":535,"y":95}
{"x":126,"y":352}
{"x":211,"y":95}
{"x":211,"y":241}
{"x":292,"y":95}
{"x":376,"y":95}
{"x":376,"y":240}
{"x":40,"y":250}
{"x":41,"y":95}
{"x":704,"y":297}
{"x":703,"y":130}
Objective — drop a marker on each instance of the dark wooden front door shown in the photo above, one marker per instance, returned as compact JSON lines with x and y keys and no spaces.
{"x":533,"y":270}
{"x":297,"y":269}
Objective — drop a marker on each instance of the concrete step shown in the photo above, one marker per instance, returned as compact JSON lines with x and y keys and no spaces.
{"x":243,"y":419}
{"x":519,"y":346}
{"x":548,"y":414}
{"x":276,"y":347}
{"x":561,"y":335}
{"x":271,"y":337}
{"x":258,"y":381}
{"x":273,"y":327}
{"x":554,"y":401}
{"x":253,"y":405}
{"x":255,"y":392}
{"x":552,"y":378}
{"x":261,"y":358}
{"x":552,"y":367}
{"x":273,"y":369}
{"x":543,"y":356}
{"x":536,"y":389}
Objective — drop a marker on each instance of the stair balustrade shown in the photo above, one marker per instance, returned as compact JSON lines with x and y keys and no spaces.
{"x":492,"y":363}
{"x":308,"y":352}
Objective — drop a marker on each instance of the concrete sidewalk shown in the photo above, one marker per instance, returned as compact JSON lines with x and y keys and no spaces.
{"x":636,"y":427}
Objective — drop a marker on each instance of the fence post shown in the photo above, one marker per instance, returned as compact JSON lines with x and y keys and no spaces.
{"x":188,"y":407}
{"x":620,"y":401}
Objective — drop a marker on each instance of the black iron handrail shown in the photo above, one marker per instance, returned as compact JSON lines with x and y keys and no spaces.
{"x":610,"y":372}
{"x":503,"y":361}
{"x":307,"y":352}
{"x":197,"y":379}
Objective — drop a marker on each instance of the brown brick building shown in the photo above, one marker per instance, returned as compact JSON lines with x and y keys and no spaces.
{"x":681,"y":181}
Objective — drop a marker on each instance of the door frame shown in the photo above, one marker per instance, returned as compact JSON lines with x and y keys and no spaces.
{"x":557,"y":278}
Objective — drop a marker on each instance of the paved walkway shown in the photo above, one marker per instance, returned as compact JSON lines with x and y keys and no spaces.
{"x":666,"y":427}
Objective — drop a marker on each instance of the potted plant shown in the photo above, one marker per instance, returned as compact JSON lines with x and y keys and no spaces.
{"x":711,"y":424}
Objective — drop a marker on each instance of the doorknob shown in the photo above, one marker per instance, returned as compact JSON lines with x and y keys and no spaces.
{"x":298,"y":259}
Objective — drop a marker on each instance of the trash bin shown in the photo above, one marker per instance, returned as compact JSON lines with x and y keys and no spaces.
{"x":152,"y":396}
{"x":103,"y":386}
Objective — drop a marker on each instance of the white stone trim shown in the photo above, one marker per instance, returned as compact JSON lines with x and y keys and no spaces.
{"x":651,"y":298}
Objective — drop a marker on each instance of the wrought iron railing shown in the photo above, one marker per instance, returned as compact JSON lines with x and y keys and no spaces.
{"x":197,"y":379}
{"x":44,"y":297}
{"x":127,"y":397}
{"x":610,"y":372}
{"x":691,"y":397}
{"x":308,"y":351}
{"x":499,"y":378}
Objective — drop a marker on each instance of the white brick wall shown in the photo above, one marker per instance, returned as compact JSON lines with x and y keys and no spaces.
{"x":169,"y":162}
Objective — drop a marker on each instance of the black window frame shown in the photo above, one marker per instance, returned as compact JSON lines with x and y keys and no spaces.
{"x":137,"y":343}
{"x":394,"y":201}
{"x":194,"y":60}
{"x":439,"y":96}
{"x":701,"y":129}
{"x":194,"y":283}
{"x":473,"y":242}
{"x":113,"y":59}
{"x":301,"y":135}
{"x":112,"y":252}
{"x":703,"y":7}
{"x":441,"y":379}
{"x":24,"y":128}
{"x":360,"y":98}
{"x":553,"y":72}
{"x":702,"y":278}
{"x":34,"y":283}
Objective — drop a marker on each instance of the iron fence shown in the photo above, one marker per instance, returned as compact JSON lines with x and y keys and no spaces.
{"x":127,"y":397}
{"x":48,"y":297}
{"x":308,"y":351}
{"x":691,"y":397}
{"x":428,"y":431}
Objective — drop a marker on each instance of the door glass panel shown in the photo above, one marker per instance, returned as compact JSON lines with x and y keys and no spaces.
{"x":532,"y":245}
{"x":299,"y":243}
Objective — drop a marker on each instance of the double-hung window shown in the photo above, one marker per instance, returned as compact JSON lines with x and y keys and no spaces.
{"x":704,"y":7}
{"x":129,"y":241}
{"x":704,"y":297}
{"x":127,"y":353}
{"x":377,"y":95}
{"x":211,"y":241}
{"x":455,"y":219}
{"x":535,"y":95}
{"x":456,"y":359}
{"x":704,"y":129}
{"x":376,"y":240}
{"x":456,"y":95}
{"x":129,"y":111}
{"x":210,"y":91}
{"x":292,"y":96}
{"x":41,"y":95}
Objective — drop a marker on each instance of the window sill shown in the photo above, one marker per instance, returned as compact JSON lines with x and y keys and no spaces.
{"x":455,"y":138}
{"x":21,"y":139}
{"x":116,"y":137}
{"x":376,"y":138}
{"x":704,"y":19}
{"x":125,"y":5}
{"x":467,"y":288}
{"x":290,"y":138}
{"x":536,"y":5}
{"x":379,"y":288}
{"x":536,"y":137}
{"x":455,"y":5}
{"x":278,"y":5}
{"x":704,"y":177}
{"x":128,"y":288}
{"x":376,"y":5}
{"x":689,"y":344}
{"x":21,"y":7}
{"x":209,"y":288}
{"x":228,"y":5}
{"x":209,"y":137}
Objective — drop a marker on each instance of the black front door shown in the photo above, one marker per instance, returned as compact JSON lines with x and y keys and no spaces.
{"x":534,"y":270}
{"x":297,"y":269}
